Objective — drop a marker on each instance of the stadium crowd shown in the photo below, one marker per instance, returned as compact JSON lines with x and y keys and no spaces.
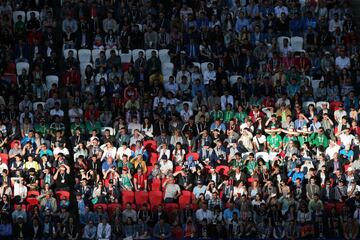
{"x":210,"y":119}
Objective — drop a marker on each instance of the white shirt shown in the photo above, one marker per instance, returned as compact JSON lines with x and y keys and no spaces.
{"x":201,"y":215}
{"x":157,"y":100}
{"x":20,"y":190}
{"x":225,"y":100}
{"x":108,"y":152}
{"x":342,"y":62}
{"x":209,"y":75}
{"x":59,"y":112}
{"x":99,"y":76}
{"x":121,"y":151}
{"x":279,"y":10}
{"x":333,"y":25}
{"x":162,"y":152}
{"x":104,"y":232}
{"x":75,"y":112}
{"x":180,"y":74}
{"x":185,"y":115}
{"x":166,"y":166}
{"x":339,"y":114}
{"x":171,"y":87}
{"x":330,"y":151}
{"x":346,"y":139}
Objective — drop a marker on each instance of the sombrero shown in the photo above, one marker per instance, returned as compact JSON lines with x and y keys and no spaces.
{"x":273,"y":129}
{"x":304,"y":130}
{"x":291,"y":131}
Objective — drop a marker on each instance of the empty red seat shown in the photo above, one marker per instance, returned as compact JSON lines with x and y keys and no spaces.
{"x":155,"y":198}
{"x":5,"y":158}
{"x":169,"y":207}
{"x":141,"y":197}
{"x":150,"y":145}
{"x":335,"y":105}
{"x":222,"y":170}
{"x":127,"y":196}
{"x":185,"y":198}
{"x":153,"y":158}
{"x":60,"y":194}
{"x":155,"y":184}
{"x":178,"y":168}
{"x":12,"y":144}
{"x":33,"y":193}
{"x":103,"y":205}
{"x":32,"y":201}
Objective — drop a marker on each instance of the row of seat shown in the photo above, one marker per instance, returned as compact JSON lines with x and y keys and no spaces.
{"x":23,"y":14}
{"x":87,"y":55}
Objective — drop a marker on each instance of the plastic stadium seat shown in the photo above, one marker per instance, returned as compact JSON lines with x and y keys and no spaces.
{"x":297,"y":43}
{"x":84,"y":55}
{"x":95,"y":53}
{"x":153,"y":158}
{"x":280,"y":41}
{"x":112,"y":131}
{"x":30,"y":207}
{"x":111,"y":208}
{"x":335,"y":105}
{"x":133,"y":206}
{"x":156,"y":198}
{"x":148,"y":53}
{"x":16,"y":14}
{"x":306,"y":104}
{"x":167,"y":69}
{"x":328,"y":207}
{"x":319,"y":105}
{"x":50,"y":80}
{"x":37,"y":15}
{"x":170,"y":207}
{"x":155,"y":184}
{"x":32,"y":201}
{"x":233,"y":79}
{"x":245,"y":155}
{"x":5,"y":158}
{"x":164,"y":55}
{"x":108,"y":52}
{"x":66,"y":53}
{"x":222,"y":170}
{"x":196,"y":64}
{"x":125,"y":58}
{"x":263,"y":155}
{"x":195,"y":155}
{"x":178,"y":168}
{"x":150,"y":145}
{"x":127,"y":196}
{"x":185,"y":198}
{"x":33,"y":193}
{"x":141,"y":197}
{"x":35,"y":105}
{"x":204,"y":65}
{"x":103,"y":205}
{"x":135,"y":53}
{"x":60,"y":194}
{"x":20,"y":66}
{"x":12,"y":144}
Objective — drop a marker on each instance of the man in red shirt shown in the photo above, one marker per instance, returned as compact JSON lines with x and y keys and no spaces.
{"x":140,"y":180}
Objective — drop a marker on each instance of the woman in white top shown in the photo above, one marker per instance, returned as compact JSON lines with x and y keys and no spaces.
{"x":176,"y":138}
{"x":178,"y":154}
{"x":239,"y":190}
{"x":147,"y":127}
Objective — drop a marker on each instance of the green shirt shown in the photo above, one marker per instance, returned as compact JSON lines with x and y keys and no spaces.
{"x":216,"y":114}
{"x":303,"y":139}
{"x":274,"y":141}
{"x":74,"y":126}
{"x":42,"y":129}
{"x":90,"y":126}
{"x":228,"y":115}
{"x":320,"y":140}
{"x":240,"y":116}
{"x":287,"y":139}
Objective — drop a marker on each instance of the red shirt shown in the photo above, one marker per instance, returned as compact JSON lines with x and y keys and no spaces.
{"x":140,"y":180}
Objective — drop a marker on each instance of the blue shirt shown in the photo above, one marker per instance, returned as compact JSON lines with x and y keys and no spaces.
{"x":296,"y":175}
{"x":347,"y":154}
{"x":106,"y":166}
{"x":228,"y":213}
